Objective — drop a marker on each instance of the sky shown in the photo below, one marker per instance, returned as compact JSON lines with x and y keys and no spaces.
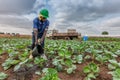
{"x":90,"y":17}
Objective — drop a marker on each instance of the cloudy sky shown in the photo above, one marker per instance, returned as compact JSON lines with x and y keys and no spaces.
{"x":86,"y":16}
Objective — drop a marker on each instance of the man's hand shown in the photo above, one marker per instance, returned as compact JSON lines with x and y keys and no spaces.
{"x":41,"y":40}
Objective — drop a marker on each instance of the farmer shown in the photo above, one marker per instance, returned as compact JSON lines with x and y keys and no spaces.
{"x":40,"y":27}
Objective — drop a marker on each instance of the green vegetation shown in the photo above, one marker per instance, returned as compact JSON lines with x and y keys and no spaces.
{"x":105,"y":33}
{"x":3,"y":76}
{"x":116,"y":74}
{"x":91,"y":70}
{"x":103,"y":39}
{"x":63,"y":55}
{"x":50,"y":74}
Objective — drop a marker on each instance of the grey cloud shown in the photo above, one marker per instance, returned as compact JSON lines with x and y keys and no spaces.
{"x":77,"y":10}
{"x":19,"y":13}
{"x":15,"y":6}
{"x":15,"y":21}
{"x":115,"y":25}
{"x":86,"y":11}
{"x":78,"y":14}
{"x":111,"y":22}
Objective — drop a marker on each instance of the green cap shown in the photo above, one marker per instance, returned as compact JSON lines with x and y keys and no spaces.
{"x":44,"y":13}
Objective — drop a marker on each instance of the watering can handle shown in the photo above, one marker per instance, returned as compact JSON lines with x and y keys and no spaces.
{"x":39,"y":41}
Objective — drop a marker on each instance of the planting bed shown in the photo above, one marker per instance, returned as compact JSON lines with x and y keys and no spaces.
{"x":67,"y":60}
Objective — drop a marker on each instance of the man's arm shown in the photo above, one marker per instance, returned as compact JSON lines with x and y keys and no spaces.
{"x":44,"y":34}
{"x":35,"y":33}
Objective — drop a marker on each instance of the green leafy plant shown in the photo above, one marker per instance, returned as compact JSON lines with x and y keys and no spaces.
{"x":21,"y":63}
{"x":71,"y":69}
{"x":38,"y":72}
{"x":91,"y":70}
{"x":1,"y":51}
{"x":78,"y":59}
{"x":39,"y":61}
{"x":115,"y":74}
{"x":50,"y":74}
{"x":3,"y":76}
{"x":117,"y":52}
{"x":57,"y":63}
{"x":9,"y":62}
{"x":113,"y":65}
{"x":94,"y":52}
{"x":13,"y":54}
{"x":24,"y":55}
{"x":65,"y":53}
{"x":102,"y":58}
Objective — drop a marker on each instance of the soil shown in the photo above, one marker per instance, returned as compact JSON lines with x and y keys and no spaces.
{"x":103,"y":75}
{"x":29,"y":73}
{"x":118,"y":59}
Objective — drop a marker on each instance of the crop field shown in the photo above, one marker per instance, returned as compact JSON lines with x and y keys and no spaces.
{"x":66,"y":60}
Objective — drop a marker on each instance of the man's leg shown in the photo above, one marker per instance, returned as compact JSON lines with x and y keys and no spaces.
{"x":33,"y":41}
{"x":42,"y":44}
{"x":43,"y":55}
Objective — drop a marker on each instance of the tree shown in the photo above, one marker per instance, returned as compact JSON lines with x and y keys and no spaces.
{"x":1,"y":32}
{"x":105,"y":33}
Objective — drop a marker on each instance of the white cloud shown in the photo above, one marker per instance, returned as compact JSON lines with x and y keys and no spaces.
{"x":11,"y":16}
{"x":15,"y":6}
{"x":113,"y":22}
{"x":39,"y":3}
{"x":30,"y":16}
{"x":112,"y":25}
{"x":87,"y":16}
{"x":14,"y":20}
{"x":85,"y":12}
{"x":10,"y":29}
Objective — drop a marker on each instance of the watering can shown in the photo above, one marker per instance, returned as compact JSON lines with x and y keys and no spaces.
{"x":37,"y":51}
{"x":85,"y":37}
